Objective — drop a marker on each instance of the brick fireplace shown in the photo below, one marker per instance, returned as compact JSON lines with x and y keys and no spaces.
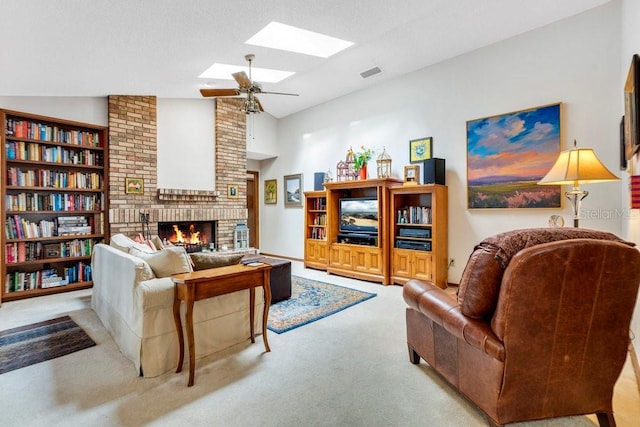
{"x":133,"y":153}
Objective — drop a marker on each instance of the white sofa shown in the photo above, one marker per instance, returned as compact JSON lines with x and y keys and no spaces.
{"x":136,"y":307}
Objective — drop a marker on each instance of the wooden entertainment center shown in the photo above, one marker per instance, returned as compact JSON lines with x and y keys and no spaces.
{"x":363,"y":244}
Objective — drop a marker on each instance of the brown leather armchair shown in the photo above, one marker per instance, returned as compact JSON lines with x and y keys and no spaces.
{"x":540,"y":326}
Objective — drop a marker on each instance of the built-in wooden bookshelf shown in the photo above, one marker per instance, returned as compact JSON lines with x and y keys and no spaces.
{"x":315,"y":246}
{"x":53,"y":204}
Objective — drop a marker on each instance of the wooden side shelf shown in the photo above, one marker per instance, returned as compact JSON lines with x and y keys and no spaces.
{"x":315,"y":226}
{"x":419,"y":243}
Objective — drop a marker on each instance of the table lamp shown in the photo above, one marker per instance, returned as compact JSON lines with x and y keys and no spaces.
{"x":574,"y":167}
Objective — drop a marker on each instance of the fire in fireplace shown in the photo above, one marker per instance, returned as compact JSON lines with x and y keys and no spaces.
{"x":193,"y":235}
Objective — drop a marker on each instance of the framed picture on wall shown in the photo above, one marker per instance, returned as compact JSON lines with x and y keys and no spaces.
{"x":293,"y":190}
{"x":508,"y":154}
{"x":270,"y":191}
{"x":232,"y":191}
{"x":632,"y":109}
{"x":134,"y":185}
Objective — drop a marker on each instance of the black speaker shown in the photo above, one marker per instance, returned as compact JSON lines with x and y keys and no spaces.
{"x":318,"y":180}
{"x":434,"y":171}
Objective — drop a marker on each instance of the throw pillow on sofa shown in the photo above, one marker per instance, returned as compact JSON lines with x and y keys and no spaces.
{"x":124,"y":243}
{"x":168,"y":261}
{"x":203,"y":261}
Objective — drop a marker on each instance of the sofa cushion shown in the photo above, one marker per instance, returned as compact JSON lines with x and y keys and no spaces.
{"x":168,"y":261}
{"x":124,"y":243}
{"x":480,"y":283}
{"x":157,"y":242}
{"x":203,"y":260}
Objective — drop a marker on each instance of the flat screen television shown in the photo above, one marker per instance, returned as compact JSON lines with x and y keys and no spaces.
{"x":359,"y":215}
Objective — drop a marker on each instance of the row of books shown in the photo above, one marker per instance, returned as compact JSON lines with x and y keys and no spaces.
{"x":42,"y":132}
{"x":320,"y":219}
{"x":414,"y":215}
{"x":319,"y":233}
{"x":72,"y":225}
{"x":318,"y":203}
{"x":32,"y":251}
{"x":48,"y":178}
{"x":20,"y":150}
{"x":18,"y":227}
{"x":67,"y":202}
{"x":47,"y":278}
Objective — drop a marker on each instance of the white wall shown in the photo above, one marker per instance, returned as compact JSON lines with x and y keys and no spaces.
{"x":80,"y":109}
{"x":262,"y":142}
{"x":184,"y":126}
{"x":630,"y":46}
{"x":186,"y":143}
{"x":575,"y":61}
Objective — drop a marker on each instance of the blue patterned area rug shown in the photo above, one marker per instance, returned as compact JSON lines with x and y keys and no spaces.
{"x":310,"y":301}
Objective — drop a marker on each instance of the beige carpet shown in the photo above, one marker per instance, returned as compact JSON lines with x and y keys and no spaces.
{"x":349,"y":369}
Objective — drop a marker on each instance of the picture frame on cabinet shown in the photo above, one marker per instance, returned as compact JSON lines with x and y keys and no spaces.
{"x":134,"y":185}
{"x":270,"y":191}
{"x":412,"y":174}
{"x":420,"y":149}
{"x":292,"y":190}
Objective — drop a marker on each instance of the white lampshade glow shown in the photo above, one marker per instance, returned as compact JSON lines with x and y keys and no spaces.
{"x":577,"y":166}
{"x":574,"y":167}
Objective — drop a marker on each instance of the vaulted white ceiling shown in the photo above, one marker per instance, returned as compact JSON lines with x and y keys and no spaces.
{"x":159,"y":47}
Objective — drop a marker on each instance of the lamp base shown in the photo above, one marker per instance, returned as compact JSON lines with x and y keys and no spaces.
{"x":575,"y":196}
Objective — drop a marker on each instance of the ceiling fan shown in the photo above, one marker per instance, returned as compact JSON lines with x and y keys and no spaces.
{"x":251,"y":103}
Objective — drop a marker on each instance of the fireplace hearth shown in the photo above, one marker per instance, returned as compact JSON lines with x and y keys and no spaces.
{"x":194,"y":236}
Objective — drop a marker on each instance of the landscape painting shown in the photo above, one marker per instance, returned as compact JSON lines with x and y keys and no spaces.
{"x":508,"y":154}
{"x":293,"y":190}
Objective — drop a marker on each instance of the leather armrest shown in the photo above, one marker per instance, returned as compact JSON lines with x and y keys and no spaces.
{"x":443,"y":309}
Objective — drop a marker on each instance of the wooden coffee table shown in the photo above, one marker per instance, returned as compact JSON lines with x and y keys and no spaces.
{"x":192,"y":287}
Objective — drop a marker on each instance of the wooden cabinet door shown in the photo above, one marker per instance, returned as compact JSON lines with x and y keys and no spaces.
{"x":401,"y":263}
{"x":311,"y":254}
{"x":341,"y":256}
{"x":321,"y":252}
{"x":422,"y":265}
{"x":365,"y":260}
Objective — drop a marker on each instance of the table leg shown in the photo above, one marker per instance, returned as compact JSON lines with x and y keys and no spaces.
{"x":178,"y":322}
{"x":190,"y":338}
{"x":252,"y":308}
{"x":266,"y":287}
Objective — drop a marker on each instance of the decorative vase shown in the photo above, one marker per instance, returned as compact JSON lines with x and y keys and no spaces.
{"x":363,"y":171}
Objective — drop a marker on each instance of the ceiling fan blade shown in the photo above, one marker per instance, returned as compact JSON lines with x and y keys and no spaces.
{"x":280,"y":93}
{"x":242,"y":79}
{"x":219,"y":92}
{"x":259,"y":104}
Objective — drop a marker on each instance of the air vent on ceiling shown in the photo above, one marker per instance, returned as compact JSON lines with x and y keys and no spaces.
{"x":370,"y":72}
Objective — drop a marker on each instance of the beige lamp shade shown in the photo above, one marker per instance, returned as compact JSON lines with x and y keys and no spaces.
{"x":577,"y":166}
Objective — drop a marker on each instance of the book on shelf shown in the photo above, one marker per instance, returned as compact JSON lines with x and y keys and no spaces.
{"x":414,"y":215}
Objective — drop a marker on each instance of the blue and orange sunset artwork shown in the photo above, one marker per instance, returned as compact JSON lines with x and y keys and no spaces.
{"x":508,"y":154}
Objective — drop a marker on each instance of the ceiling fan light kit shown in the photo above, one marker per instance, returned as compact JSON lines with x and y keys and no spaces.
{"x":251,"y":103}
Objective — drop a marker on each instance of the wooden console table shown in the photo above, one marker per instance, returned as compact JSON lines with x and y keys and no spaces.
{"x":192,"y":287}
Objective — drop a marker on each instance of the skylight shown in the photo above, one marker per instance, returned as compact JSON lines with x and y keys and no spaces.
{"x":285,"y":37}
{"x":265,"y":75}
